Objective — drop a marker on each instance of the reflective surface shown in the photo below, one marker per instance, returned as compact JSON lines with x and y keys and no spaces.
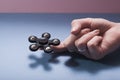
{"x":17,"y":62}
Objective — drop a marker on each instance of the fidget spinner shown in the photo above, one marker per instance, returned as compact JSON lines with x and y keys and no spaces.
{"x":43,"y":43}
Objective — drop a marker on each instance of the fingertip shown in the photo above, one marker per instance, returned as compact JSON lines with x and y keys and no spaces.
{"x":59,"y":48}
{"x":75,"y":30}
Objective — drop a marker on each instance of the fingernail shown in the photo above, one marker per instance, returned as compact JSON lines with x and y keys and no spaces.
{"x":74,"y":30}
{"x":82,"y":48}
{"x":96,"y":31}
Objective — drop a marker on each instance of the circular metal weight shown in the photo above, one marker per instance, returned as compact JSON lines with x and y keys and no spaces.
{"x":48,"y":49}
{"x":34,"y":47}
{"x":46,"y":35}
{"x":55,"y":42}
{"x":32,"y":39}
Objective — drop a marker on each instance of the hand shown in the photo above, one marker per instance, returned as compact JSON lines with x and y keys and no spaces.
{"x":92,"y":37}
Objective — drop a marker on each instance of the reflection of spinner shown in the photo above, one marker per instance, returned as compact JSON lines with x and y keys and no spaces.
{"x":43,"y":43}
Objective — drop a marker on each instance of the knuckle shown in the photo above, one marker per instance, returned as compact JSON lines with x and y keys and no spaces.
{"x":89,"y":19}
{"x":99,"y":19}
{"x":90,"y":44}
{"x":78,"y":43}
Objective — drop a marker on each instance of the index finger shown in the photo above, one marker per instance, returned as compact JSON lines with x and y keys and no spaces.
{"x":60,"y":48}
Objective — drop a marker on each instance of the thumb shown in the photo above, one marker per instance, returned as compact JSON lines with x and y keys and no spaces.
{"x":79,"y":24}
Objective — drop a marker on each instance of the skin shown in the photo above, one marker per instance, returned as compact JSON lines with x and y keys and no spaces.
{"x":96,"y":36}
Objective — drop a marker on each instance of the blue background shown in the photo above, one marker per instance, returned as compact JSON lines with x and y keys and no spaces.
{"x":18,"y":63}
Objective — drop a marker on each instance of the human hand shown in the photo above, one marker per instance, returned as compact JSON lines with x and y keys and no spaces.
{"x":92,"y":37}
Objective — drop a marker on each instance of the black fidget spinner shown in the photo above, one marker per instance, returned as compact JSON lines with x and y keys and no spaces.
{"x":43,"y":43}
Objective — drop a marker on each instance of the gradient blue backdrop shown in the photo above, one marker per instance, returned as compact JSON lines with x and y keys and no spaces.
{"x":18,"y":63}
